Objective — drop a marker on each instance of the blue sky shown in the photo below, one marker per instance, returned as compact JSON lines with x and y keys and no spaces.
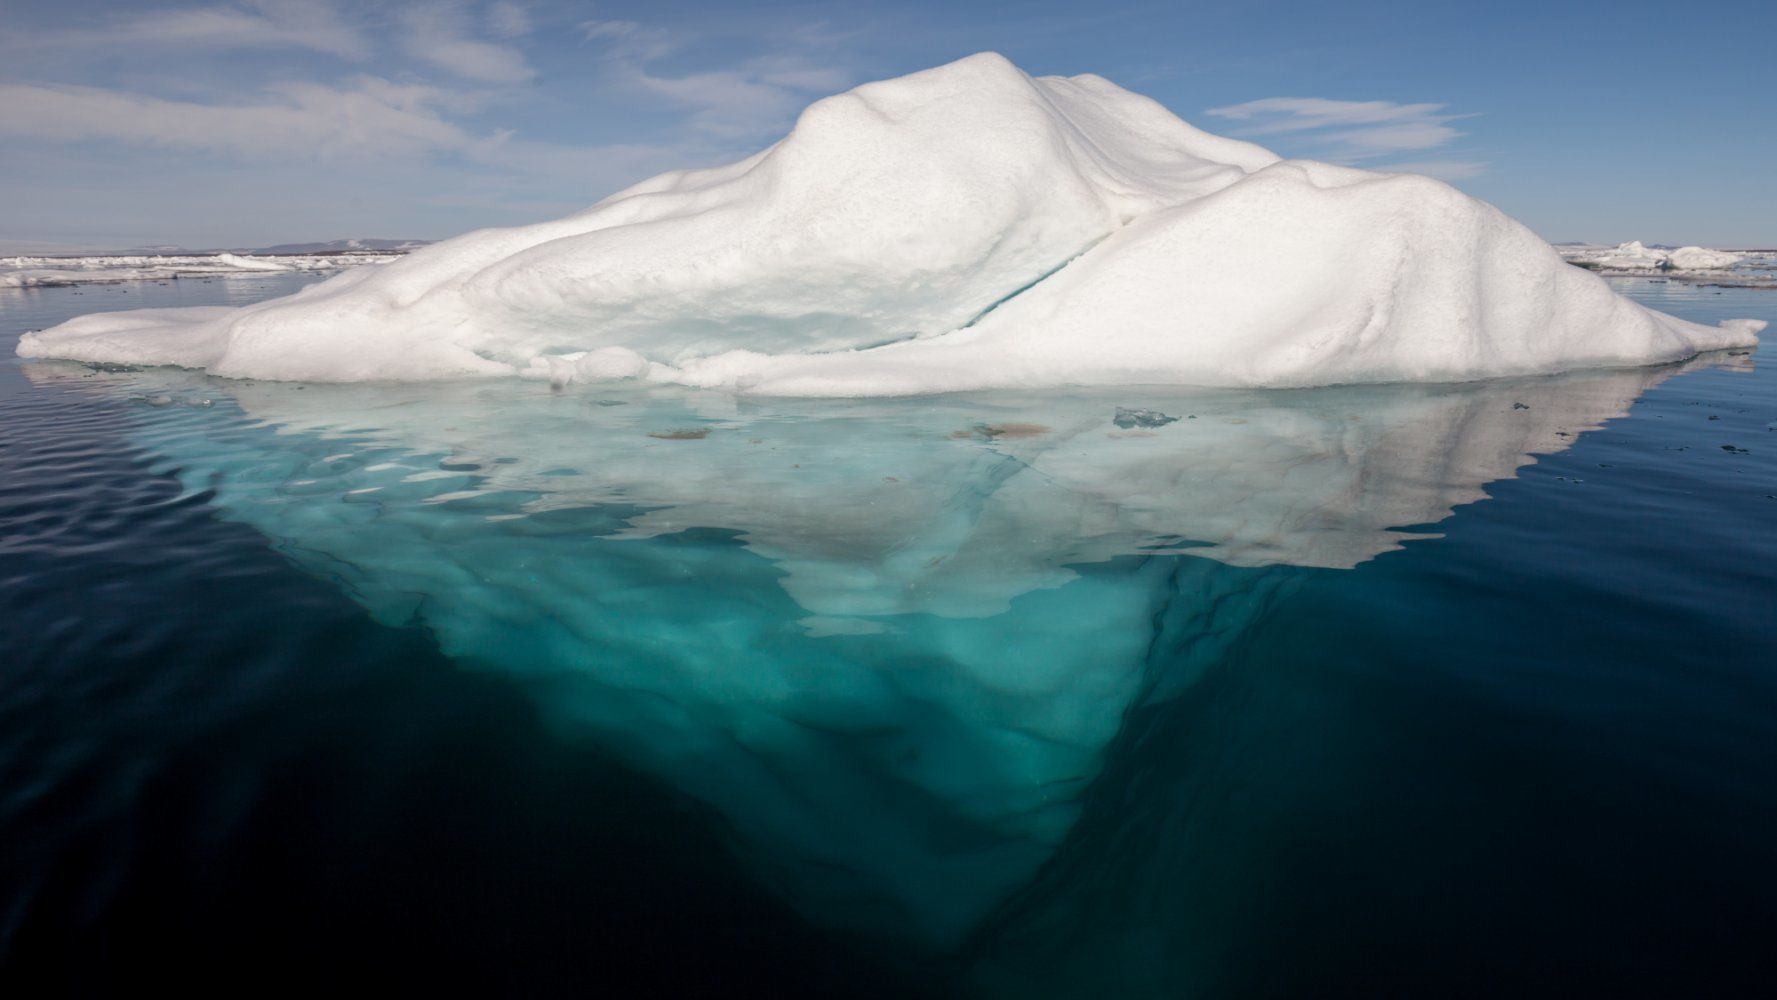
{"x":265,"y":121}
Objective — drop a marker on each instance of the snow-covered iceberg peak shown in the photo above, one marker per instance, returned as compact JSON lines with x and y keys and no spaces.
{"x":963,"y":227}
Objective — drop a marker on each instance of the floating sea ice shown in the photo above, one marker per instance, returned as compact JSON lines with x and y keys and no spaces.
{"x":1634,"y":256}
{"x":1141,"y":418}
{"x":251,"y":263}
{"x":45,"y":272}
{"x":1699,"y":259}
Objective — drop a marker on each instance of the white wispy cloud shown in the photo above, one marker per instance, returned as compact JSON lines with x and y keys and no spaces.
{"x":1365,"y":133}
{"x":440,"y":34}
{"x":448,"y":71}
{"x":506,"y":19}
{"x":369,"y":123}
{"x":1444,"y":170}
{"x":629,"y":41}
{"x":264,"y":24}
{"x":756,"y":94}
{"x":370,"y":117}
{"x":1292,"y":114}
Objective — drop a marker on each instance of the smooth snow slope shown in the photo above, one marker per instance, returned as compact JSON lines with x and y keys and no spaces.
{"x":964,"y":227}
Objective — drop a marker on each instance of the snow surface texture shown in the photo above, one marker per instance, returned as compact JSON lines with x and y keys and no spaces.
{"x":43,"y":272}
{"x":1633,"y":256}
{"x":964,"y":227}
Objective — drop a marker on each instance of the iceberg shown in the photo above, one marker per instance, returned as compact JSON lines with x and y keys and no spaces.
{"x":1700,"y":259}
{"x":965,"y":227}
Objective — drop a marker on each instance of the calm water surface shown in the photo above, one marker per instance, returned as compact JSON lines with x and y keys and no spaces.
{"x":1413,"y":690}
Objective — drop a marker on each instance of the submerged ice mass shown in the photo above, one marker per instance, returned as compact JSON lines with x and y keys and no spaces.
{"x":888,"y":639}
{"x":964,"y":227}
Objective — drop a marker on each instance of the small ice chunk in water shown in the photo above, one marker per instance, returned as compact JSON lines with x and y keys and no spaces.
{"x":1127,"y":418}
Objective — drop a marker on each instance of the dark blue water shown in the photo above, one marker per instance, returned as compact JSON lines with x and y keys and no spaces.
{"x":1388,"y":691}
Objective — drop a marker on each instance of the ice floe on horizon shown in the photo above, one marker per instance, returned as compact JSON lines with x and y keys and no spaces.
{"x":59,"y":271}
{"x":1636,"y":256}
{"x":965,"y":227}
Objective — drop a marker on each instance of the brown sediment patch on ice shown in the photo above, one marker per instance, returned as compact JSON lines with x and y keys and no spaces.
{"x":994,"y":432}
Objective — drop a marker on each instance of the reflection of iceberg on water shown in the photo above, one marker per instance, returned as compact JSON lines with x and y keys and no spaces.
{"x":888,"y":640}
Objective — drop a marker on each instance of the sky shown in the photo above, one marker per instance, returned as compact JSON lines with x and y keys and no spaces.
{"x":255,"y":122}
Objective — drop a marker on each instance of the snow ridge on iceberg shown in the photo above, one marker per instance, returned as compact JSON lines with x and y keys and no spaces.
{"x":960,"y":228}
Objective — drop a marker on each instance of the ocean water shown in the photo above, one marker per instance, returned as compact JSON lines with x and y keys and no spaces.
{"x":1408,"y":690}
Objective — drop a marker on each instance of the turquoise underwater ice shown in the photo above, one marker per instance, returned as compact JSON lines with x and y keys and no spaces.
{"x":888,"y":640}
